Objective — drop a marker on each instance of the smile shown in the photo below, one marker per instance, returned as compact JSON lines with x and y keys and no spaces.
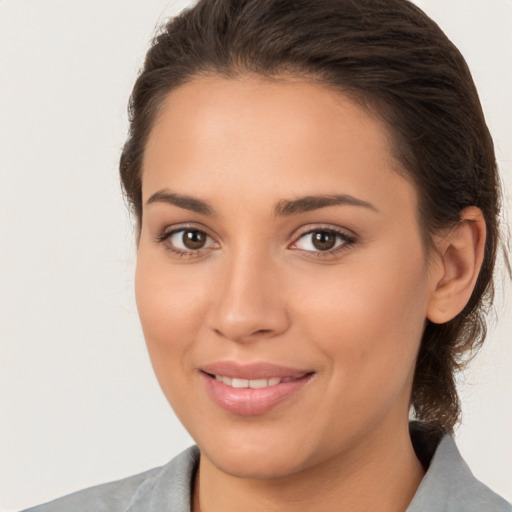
{"x":251,"y":390}
{"x":253,"y":383}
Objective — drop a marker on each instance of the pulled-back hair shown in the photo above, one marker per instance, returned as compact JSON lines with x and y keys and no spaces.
{"x":395,"y":61}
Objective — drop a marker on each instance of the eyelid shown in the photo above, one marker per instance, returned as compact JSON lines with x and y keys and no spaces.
{"x":312,"y":228}
{"x":163,"y":237}
{"x":348,"y":238}
{"x":192,"y":226}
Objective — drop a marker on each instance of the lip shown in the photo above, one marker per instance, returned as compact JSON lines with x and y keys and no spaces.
{"x":259,"y":370}
{"x":250,"y":401}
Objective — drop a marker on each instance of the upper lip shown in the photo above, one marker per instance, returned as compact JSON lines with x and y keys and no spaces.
{"x":252,"y":371}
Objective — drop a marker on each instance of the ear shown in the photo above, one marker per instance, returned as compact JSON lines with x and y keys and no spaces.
{"x":460,"y":256}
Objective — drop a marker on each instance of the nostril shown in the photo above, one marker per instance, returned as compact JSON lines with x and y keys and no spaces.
{"x":262,"y":331}
{"x":251,"y":325}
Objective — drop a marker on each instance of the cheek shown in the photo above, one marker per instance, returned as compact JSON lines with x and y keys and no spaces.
{"x":385,"y":296}
{"x":171,"y":308}
{"x":368,"y":320}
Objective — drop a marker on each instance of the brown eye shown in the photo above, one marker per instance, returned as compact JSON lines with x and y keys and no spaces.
{"x":188,"y":241}
{"x":193,"y":239}
{"x":323,"y":240}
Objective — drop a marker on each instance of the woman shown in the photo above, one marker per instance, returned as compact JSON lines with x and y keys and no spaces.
{"x":317,"y":205}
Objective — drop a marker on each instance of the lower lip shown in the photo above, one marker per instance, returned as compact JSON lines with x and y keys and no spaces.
{"x":248,"y":401}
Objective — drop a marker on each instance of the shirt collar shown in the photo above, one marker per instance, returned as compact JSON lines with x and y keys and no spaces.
{"x":448,"y":485}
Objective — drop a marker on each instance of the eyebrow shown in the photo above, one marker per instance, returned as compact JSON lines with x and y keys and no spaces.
{"x":283,"y":208}
{"x":308,"y":203}
{"x":185,"y":202}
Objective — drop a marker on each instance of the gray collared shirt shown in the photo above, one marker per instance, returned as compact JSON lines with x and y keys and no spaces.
{"x":448,"y":486}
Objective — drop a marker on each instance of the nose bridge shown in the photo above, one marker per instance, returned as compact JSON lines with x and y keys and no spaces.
{"x":248,"y":305}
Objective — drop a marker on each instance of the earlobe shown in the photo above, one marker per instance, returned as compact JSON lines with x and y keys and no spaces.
{"x":461,"y":254}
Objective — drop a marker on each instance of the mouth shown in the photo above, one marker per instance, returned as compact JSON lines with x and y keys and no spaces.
{"x":251,"y":390}
{"x":253,"y":383}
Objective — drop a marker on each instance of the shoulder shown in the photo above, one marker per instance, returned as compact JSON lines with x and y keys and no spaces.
{"x":169,"y":484}
{"x":450,"y":486}
{"x":112,"y":496}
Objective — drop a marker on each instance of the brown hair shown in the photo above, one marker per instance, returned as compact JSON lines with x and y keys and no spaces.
{"x":392,"y":58}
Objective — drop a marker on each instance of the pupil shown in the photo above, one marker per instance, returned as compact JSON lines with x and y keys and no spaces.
{"x":194,"y":239}
{"x":323,"y":240}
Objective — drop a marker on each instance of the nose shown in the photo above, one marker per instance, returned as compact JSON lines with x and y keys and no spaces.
{"x":249,"y":304}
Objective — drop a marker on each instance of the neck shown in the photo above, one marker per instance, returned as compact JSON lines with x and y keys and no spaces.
{"x":381,"y":473}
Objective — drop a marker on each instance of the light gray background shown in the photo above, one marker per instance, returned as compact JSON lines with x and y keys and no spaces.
{"x":78,"y":401}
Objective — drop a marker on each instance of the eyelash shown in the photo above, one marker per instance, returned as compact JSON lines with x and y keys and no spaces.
{"x":346,"y":239}
{"x":164,"y":237}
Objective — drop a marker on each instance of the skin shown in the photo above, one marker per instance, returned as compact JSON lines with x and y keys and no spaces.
{"x":259,"y":290}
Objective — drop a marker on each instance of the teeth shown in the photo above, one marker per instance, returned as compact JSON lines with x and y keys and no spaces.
{"x":254,"y":383}
{"x":227,"y":380}
{"x":240,"y":383}
{"x":258,"y":383}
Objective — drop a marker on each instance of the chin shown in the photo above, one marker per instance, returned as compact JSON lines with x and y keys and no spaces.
{"x":254,"y":465}
{"x":263,"y":455}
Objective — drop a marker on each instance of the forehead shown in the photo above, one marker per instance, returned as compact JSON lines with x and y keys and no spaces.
{"x":290,"y":136}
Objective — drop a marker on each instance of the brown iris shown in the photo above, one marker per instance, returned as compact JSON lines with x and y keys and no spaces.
{"x":193,"y":239}
{"x":324,"y":240}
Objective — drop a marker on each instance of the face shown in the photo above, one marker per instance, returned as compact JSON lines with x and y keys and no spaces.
{"x":281,"y":279}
